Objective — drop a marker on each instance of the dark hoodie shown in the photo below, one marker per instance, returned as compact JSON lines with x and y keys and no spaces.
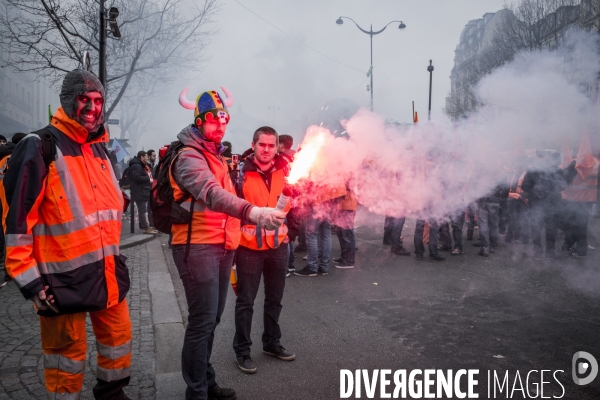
{"x":140,"y":181}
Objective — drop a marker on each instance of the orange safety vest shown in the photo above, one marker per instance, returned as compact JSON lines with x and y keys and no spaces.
{"x":208,"y":227}
{"x":256,"y":193}
{"x":583,"y":190}
{"x":72,"y":231}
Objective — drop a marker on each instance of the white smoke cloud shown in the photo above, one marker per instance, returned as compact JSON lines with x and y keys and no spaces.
{"x":540,"y":100}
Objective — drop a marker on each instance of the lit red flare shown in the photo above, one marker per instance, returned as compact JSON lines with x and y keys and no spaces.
{"x":305,"y":159}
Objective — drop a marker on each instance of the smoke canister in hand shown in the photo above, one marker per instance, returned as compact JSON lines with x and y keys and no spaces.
{"x":284,"y":199}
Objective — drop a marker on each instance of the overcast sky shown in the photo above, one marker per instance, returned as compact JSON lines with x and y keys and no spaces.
{"x":264,"y":67}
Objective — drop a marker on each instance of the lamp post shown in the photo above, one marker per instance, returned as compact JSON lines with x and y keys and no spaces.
{"x":430,"y":69}
{"x":371,"y":33}
{"x":113,"y":13}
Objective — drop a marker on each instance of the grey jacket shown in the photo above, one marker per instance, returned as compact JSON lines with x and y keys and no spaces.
{"x":192,"y":173}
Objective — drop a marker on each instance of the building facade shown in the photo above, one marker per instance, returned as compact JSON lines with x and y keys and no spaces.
{"x":24,"y":101}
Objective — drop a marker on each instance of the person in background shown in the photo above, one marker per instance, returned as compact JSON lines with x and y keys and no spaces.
{"x":151,"y":164}
{"x":542,"y":187}
{"x":294,"y":217}
{"x":2,"y":140}
{"x":141,"y":183}
{"x":344,"y":229}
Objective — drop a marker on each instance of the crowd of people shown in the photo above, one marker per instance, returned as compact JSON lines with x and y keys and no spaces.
{"x":63,"y":205}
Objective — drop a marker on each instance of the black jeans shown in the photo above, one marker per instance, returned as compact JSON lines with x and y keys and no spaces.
{"x":544,"y":214}
{"x":142,"y":207}
{"x":471,"y":210}
{"x":503,"y":216}
{"x":577,"y":216}
{"x":457,"y":220}
{"x":433,"y":238}
{"x":396,"y":226}
{"x":205,"y":280}
{"x":344,"y":229}
{"x":250,"y":266}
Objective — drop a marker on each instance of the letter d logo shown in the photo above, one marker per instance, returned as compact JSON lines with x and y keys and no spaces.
{"x":590,"y":364}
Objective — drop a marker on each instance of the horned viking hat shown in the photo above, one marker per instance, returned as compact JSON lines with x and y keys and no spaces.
{"x":208,"y":105}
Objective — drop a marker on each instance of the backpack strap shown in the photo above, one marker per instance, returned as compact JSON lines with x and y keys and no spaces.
{"x":48,"y":146}
{"x":189,"y":233}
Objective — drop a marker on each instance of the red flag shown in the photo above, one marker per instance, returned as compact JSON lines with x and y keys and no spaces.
{"x":416,"y":117}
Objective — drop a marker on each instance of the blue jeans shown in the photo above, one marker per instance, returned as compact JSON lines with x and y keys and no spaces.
{"x":205,"y":280}
{"x":250,"y":266}
{"x":318,"y":238}
{"x":344,"y":230}
{"x":487,"y":219}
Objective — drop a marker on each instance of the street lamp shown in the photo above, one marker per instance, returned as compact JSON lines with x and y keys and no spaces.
{"x":430,"y":69}
{"x":371,"y":34}
{"x":113,"y":13}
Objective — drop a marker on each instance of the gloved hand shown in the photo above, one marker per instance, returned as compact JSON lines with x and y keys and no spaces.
{"x":267,"y":217}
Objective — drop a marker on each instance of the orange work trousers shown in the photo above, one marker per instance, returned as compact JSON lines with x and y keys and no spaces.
{"x":64,"y":344}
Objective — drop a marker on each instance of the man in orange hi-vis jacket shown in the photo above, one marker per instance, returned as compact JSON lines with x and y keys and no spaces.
{"x":63,"y":228}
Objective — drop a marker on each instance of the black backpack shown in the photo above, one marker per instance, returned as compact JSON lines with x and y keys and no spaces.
{"x":165,"y":210}
{"x":125,"y":181}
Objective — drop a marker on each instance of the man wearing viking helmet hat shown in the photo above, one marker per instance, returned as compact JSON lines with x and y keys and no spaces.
{"x":200,"y":181}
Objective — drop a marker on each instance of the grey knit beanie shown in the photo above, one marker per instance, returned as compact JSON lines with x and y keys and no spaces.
{"x":79,"y":82}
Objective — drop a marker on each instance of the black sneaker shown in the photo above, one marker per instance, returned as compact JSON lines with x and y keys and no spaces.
{"x":217,"y":393}
{"x":400,"y":251}
{"x":288,"y":274}
{"x":305,"y":272}
{"x":436,"y":258}
{"x":344,"y":265}
{"x":246,"y":364}
{"x":419,"y":256}
{"x":444,"y":248}
{"x":280,"y":352}
{"x":324,"y":273}
{"x":337,"y":260}
{"x":291,"y":269}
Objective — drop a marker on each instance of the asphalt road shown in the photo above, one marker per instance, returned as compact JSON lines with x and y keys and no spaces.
{"x":507,"y":312}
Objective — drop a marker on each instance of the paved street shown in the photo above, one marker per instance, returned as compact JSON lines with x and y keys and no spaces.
{"x":504,"y":313}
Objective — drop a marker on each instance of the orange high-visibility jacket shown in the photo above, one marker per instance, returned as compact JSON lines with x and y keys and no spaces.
{"x":263,"y":190}
{"x":63,"y":224}
{"x":583,"y":190}
{"x":217,"y":209}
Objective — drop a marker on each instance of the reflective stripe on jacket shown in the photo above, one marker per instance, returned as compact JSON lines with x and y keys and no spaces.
{"x":255,"y":191}
{"x":583,"y":190}
{"x":63,"y":225}
{"x":208,"y":226}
